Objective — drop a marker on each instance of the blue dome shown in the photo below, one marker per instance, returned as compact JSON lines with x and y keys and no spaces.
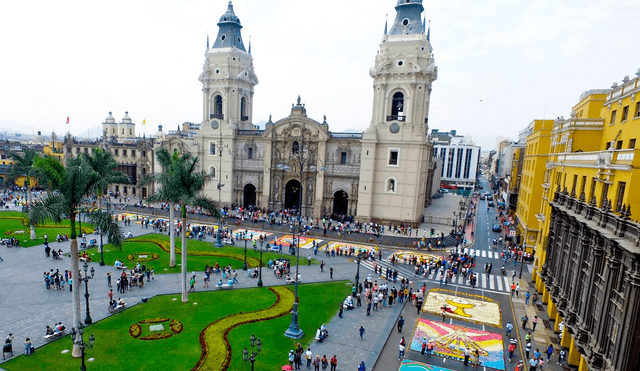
{"x":229,"y":16}
{"x":229,"y":34}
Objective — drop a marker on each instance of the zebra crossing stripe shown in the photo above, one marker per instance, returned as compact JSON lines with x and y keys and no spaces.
{"x":491,"y":285}
{"x":499,"y":284}
{"x":484,"y":254}
{"x":506,"y":283}
{"x":483,"y":280}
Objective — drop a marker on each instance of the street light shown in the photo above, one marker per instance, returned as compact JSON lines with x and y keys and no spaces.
{"x":244,"y":267}
{"x":80,"y":342}
{"x":86,"y":278}
{"x":219,"y":186}
{"x":257,"y":343}
{"x":259,"y":274}
{"x":294,"y":330}
{"x":358,"y":272}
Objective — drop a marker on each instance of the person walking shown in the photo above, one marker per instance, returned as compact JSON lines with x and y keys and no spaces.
{"x":400,"y":351}
{"x":512,"y":348}
{"x":517,"y":290}
{"x":524,"y":320}
{"x":334,"y":363}
{"x":331,"y":273}
{"x":362,"y":367}
{"x":513,"y":289}
{"x":400,"y":324}
{"x":527,"y":349}
{"x":467,"y":354}
{"x":509,"y":327}
{"x":527,"y":295}
{"x":534,"y":322}
{"x":28,"y":347}
{"x":109,"y":279}
{"x":361,"y":331}
{"x":549,"y":352}
{"x":341,"y":310}
{"x":533,"y":363}
{"x":325,"y":362}
{"x":309,"y":357}
{"x":368,"y":307}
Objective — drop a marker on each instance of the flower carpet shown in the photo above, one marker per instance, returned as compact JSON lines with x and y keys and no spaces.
{"x":409,"y":365}
{"x":305,"y":242}
{"x":451,"y":340}
{"x":333,"y":245}
{"x":462,"y":306}
{"x":401,"y":255}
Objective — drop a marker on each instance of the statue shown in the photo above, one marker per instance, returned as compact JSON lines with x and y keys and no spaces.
{"x":392,"y":186}
{"x":298,"y":100}
{"x":309,"y":191}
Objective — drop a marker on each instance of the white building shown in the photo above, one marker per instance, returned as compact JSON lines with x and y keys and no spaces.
{"x":460,"y":161}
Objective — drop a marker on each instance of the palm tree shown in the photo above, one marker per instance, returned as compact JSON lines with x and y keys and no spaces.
{"x":166,"y":193}
{"x":67,"y":186}
{"x":21,"y":166}
{"x":103,"y":163}
{"x":186,"y":184}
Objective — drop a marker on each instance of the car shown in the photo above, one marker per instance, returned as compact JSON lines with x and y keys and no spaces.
{"x":490,"y":198}
{"x":491,"y":204}
{"x":496,"y":228}
{"x":482,"y":197}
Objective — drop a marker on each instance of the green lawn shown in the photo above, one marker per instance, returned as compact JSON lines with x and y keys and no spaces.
{"x":156,"y":249}
{"x":115,"y":349}
{"x":14,"y":224}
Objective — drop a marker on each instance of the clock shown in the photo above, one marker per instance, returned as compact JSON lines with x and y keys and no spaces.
{"x":214,"y":124}
{"x":394,"y":128}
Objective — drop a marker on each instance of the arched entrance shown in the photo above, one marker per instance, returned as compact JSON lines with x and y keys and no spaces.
{"x":340,"y":203}
{"x":292,"y":195}
{"x":249,"y":195}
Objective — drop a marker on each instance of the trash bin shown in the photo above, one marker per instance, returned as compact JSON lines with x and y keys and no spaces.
{"x":144,"y":299}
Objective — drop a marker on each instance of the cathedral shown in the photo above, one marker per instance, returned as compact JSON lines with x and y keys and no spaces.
{"x":383,"y":174}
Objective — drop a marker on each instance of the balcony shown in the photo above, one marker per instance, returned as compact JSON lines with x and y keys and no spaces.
{"x":219,"y":116}
{"x":396,"y":118}
{"x":244,"y":118}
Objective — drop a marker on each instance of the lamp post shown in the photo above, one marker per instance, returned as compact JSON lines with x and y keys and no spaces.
{"x":257,"y":343}
{"x":220,"y":185}
{"x":260,"y":274}
{"x":80,"y":342}
{"x":358,"y":272}
{"x":101,"y":246}
{"x":244,"y":267}
{"x":294,"y":330}
{"x":86,"y":278}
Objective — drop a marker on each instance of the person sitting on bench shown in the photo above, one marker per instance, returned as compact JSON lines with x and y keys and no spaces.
{"x":49,"y":330}
{"x":219,"y":283}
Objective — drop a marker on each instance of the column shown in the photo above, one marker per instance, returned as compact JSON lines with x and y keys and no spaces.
{"x":556,"y":325}
{"x":552,"y":310}
{"x":574,"y":355}
{"x":566,"y":338}
{"x":545,"y":295}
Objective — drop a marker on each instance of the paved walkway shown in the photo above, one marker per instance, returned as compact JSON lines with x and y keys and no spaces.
{"x":28,"y":307}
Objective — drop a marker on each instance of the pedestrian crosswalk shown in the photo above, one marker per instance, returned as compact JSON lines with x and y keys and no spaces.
{"x":488,"y":282}
{"x":483,"y":253}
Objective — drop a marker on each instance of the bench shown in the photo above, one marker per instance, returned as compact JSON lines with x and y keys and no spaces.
{"x":82,"y":259}
{"x":226,"y":286}
{"x":120,"y":266}
{"x":291,"y":280}
{"x":55,"y":335}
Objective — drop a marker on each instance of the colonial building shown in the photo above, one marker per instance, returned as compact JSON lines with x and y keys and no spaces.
{"x":296,"y":162}
{"x":588,"y":256}
{"x":134,"y":155}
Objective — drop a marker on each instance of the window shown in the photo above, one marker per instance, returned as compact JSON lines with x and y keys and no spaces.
{"x":295,"y":148}
{"x":607,"y":145}
{"x":621,"y":188}
{"x":86,"y":150}
{"x":133,"y":153}
{"x":583,"y":185}
{"x":638,"y":109}
{"x":397,"y":105}
{"x":605,"y":193}
{"x":632,"y":143}
{"x":124,"y":153}
{"x":575,"y":184}
{"x":459,"y":162}
{"x":592,"y":191}
{"x":243,"y":109}
{"x":391,"y":186}
{"x":217,"y":108}
{"x":619,"y":144}
{"x":613,"y":117}
{"x":212,"y":148}
{"x":625,"y":113}
{"x":343,"y":158}
{"x":115,"y":152}
{"x":393,"y":157}
{"x":250,"y":153}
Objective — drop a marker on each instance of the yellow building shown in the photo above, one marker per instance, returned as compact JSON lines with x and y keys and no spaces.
{"x":586,"y":255}
{"x":534,"y":165}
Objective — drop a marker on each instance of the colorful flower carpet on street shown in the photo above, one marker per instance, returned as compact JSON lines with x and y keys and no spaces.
{"x":462,"y":306}
{"x":305,"y":242}
{"x":402,"y":255}
{"x":346,"y":245}
{"x":451,"y":340}
{"x":250,"y":233}
{"x":409,"y":365}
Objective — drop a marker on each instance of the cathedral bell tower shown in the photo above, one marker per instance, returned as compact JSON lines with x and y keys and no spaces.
{"x":228,"y":78}
{"x":395,"y":151}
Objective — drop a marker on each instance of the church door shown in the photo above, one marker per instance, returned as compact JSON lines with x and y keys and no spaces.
{"x":249,"y":195}
{"x":292,"y":195}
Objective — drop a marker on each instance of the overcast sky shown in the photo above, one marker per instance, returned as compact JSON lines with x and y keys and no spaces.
{"x":501,"y":63}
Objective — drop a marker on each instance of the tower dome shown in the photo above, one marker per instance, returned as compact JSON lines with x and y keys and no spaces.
{"x":229,"y":35}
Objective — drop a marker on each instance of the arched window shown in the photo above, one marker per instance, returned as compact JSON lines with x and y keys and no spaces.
{"x":295,"y":148}
{"x":243,"y":109}
{"x":391,"y":185}
{"x":397,"y":105}
{"x":217,"y":108}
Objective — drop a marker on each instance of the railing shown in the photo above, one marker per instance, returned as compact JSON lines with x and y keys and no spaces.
{"x":244,"y":118}
{"x":256,"y":133}
{"x":219,"y":116}
{"x":347,"y":135}
{"x":618,"y":156}
{"x":396,"y":118}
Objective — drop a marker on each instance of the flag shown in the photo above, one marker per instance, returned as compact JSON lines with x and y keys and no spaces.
{"x":144,"y":122}
{"x":67,"y":120}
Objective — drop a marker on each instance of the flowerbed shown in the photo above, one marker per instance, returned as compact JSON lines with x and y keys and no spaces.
{"x":136,"y":329}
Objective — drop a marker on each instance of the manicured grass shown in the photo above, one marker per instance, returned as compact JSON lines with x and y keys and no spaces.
{"x":200,"y":253}
{"x":115,"y":349}
{"x":13,"y":221}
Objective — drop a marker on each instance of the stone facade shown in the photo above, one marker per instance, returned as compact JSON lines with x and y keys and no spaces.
{"x":592,"y":273}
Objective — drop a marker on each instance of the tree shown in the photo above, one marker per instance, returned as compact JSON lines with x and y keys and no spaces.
{"x":166,"y":193}
{"x":22,"y":165}
{"x":67,"y":186}
{"x":185,"y":184}
{"x":106,"y":167}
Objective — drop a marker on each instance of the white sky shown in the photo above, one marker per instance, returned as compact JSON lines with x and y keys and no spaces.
{"x":502,"y":63}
